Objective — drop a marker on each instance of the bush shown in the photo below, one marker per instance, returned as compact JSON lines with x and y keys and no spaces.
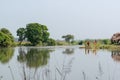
{"x":51,"y":42}
{"x":106,"y":41}
{"x":80,"y":42}
{"x":5,"y":40}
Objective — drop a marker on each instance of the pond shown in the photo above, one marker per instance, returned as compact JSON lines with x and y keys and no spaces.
{"x":58,"y":63}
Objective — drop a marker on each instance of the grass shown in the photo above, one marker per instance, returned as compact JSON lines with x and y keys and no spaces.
{"x":22,"y":44}
{"x":92,"y":45}
{"x":102,"y":46}
{"x":110,"y":47}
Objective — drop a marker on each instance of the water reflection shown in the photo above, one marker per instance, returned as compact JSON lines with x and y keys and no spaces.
{"x":31,"y":59}
{"x":94,"y":51}
{"x":65,"y":68}
{"x":115,"y":55}
{"x":62,"y":64}
{"x":6,"y":54}
{"x":34,"y":57}
{"x":68,"y":51}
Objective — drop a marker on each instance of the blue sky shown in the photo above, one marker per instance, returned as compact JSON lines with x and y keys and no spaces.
{"x":82,"y":18}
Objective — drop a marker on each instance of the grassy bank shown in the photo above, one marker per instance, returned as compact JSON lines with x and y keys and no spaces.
{"x":100,"y":45}
{"x":110,"y":47}
{"x":103,"y":46}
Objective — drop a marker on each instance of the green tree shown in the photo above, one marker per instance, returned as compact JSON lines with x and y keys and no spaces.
{"x":8,"y":33}
{"x":45,"y":34}
{"x":36,"y":33}
{"x":21,"y":34}
{"x":6,"y":38}
{"x":68,"y":38}
{"x":51,"y":42}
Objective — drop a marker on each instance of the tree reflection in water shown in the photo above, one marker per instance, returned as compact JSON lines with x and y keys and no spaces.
{"x":34,"y":62}
{"x":6,"y":54}
{"x":66,"y":65}
{"x":31,"y":59}
{"x":100,"y":67}
{"x":69,"y":51}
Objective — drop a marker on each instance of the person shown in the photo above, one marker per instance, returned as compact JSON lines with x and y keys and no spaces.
{"x":88,"y":43}
{"x":95,"y":41}
{"x":95,"y":44}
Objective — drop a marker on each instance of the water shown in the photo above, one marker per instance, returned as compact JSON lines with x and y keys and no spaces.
{"x":58,"y":63}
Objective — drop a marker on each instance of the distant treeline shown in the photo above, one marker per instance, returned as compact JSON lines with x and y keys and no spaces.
{"x":35,"y":34}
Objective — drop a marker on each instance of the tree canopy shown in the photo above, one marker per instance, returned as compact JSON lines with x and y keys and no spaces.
{"x":68,"y":38}
{"x":6,"y":38}
{"x":35,"y":33}
{"x":21,"y":34}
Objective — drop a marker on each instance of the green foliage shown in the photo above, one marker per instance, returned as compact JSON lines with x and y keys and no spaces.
{"x":45,"y":34}
{"x":110,"y":47}
{"x":8,"y":33}
{"x":6,"y":38}
{"x":33,"y":33}
{"x":58,"y":42}
{"x":51,"y":42}
{"x":36,"y":33}
{"x":80,"y":42}
{"x":68,"y":38}
{"x":21,"y":33}
{"x":99,"y":44}
{"x":106,"y":41}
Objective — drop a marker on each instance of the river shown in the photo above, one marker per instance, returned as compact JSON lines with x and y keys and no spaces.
{"x":58,"y":63}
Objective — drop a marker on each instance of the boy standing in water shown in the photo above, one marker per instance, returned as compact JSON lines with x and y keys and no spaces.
{"x":88,"y":43}
{"x":95,"y":44}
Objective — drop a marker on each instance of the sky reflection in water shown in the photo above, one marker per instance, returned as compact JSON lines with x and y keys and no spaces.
{"x":58,"y":63}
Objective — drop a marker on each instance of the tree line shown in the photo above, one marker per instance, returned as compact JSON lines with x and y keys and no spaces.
{"x":36,"y":34}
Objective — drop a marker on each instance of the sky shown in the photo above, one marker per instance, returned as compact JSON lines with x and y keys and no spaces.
{"x":85,"y":19}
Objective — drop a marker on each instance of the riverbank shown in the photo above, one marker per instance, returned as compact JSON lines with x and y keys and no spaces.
{"x":109,"y":47}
